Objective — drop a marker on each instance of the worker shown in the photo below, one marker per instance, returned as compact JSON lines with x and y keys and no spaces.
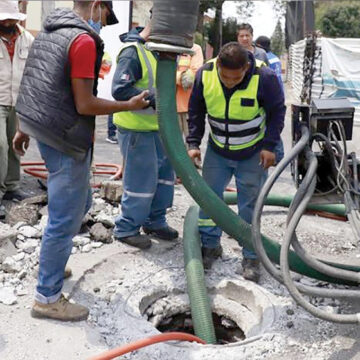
{"x":245,"y":38}
{"x":264,"y":43}
{"x":57,"y":105}
{"x":148,"y":178}
{"x":187,"y":66}
{"x":245,"y":108}
{"x":245,"y":34}
{"x":15,"y":43}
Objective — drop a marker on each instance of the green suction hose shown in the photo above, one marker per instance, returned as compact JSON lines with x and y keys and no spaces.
{"x":285,"y":200}
{"x":230,"y":222}
{"x":199,"y":302}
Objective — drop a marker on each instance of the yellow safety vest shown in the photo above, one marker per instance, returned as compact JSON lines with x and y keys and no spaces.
{"x":238,"y":123}
{"x":146,"y":119}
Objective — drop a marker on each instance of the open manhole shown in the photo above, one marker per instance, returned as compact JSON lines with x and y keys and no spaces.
{"x":226,"y":330}
{"x":240,"y":310}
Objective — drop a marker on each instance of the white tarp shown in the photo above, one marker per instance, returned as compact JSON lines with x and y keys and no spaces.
{"x":341,"y":67}
{"x":337,"y":70}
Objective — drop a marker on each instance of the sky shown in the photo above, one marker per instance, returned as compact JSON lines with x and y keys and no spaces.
{"x":263,"y":21}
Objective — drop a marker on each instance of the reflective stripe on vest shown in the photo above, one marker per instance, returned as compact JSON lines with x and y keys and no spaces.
{"x":206,"y":222}
{"x":238,"y":123}
{"x":146,"y":119}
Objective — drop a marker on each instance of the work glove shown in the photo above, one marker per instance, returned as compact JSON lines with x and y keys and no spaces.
{"x":187,"y":79}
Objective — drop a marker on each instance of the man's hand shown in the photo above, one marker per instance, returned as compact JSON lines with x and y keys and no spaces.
{"x":267,"y":159}
{"x":138,"y":102}
{"x":195,"y":156}
{"x":20,"y":143}
{"x":187,"y":79}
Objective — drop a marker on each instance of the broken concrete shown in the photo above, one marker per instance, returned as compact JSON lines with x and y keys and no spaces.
{"x":23,"y":213}
{"x":99,"y":232}
{"x":111,"y":190}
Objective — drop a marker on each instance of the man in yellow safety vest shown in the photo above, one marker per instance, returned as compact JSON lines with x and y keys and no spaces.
{"x":245,"y":108}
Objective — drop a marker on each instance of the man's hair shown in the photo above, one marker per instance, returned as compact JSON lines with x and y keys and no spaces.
{"x":263,"y":42}
{"x":233,"y":56}
{"x":245,"y":26}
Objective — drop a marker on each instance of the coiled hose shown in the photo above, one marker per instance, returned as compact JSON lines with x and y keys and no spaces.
{"x":296,"y":210}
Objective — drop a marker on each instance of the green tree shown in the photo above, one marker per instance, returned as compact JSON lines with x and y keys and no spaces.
{"x":277,"y":40}
{"x":245,"y":10}
{"x":341,"y":20}
{"x":229,"y":28}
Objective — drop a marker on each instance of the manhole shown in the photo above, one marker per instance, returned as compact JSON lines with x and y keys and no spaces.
{"x":226,"y":330}
{"x":240,"y":310}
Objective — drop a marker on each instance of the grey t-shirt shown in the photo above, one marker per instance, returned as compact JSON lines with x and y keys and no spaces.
{"x":260,"y":54}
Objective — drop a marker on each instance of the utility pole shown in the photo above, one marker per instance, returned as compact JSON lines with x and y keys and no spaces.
{"x":46,"y":7}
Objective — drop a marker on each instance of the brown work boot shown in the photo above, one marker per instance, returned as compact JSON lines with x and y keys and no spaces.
{"x":251,"y":269}
{"x":67,"y":272}
{"x":62,"y":310}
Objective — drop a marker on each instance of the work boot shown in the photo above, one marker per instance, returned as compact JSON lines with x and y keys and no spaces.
{"x":251,"y":269}
{"x":209,"y":255}
{"x":18,"y":195}
{"x":165,"y":233}
{"x":139,"y":241}
{"x":2,"y":211}
{"x":62,"y":310}
{"x":67,"y":272}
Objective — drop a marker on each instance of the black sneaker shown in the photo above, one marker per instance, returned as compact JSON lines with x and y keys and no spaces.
{"x":165,"y":233}
{"x":139,"y":241}
{"x":251,"y":269}
{"x":209,"y":255}
{"x":112,"y":139}
{"x":18,"y":195}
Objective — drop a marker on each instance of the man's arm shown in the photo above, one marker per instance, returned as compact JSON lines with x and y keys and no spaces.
{"x":82,"y":58}
{"x":271,"y":98}
{"x":197,"y":60}
{"x":197,"y":113}
{"x":88,"y":104}
{"x":128,"y":72}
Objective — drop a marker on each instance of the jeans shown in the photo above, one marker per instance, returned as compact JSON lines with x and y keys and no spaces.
{"x":249,"y":178}
{"x":148,"y":183}
{"x":111,"y":126}
{"x":69,"y":199}
{"x":9,"y":161}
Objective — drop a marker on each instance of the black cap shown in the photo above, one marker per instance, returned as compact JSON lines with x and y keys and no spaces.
{"x":263,"y":42}
{"x":111,"y":19}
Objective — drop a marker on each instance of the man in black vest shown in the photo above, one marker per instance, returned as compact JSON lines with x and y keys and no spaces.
{"x":57,"y":105}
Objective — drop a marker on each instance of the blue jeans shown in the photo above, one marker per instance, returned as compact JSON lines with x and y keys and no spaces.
{"x":279,"y":151}
{"x":249,"y":178}
{"x":148,"y":182}
{"x":111,"y":126}
{"x":69,"y":199}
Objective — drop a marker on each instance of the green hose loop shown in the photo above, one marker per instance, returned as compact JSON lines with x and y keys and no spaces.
{"x":199,"y":302}
{"x":219,"y":212}
{"x":285,"y":200}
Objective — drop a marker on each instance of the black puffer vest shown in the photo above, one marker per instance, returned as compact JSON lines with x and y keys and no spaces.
{"x":45,"y":104}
